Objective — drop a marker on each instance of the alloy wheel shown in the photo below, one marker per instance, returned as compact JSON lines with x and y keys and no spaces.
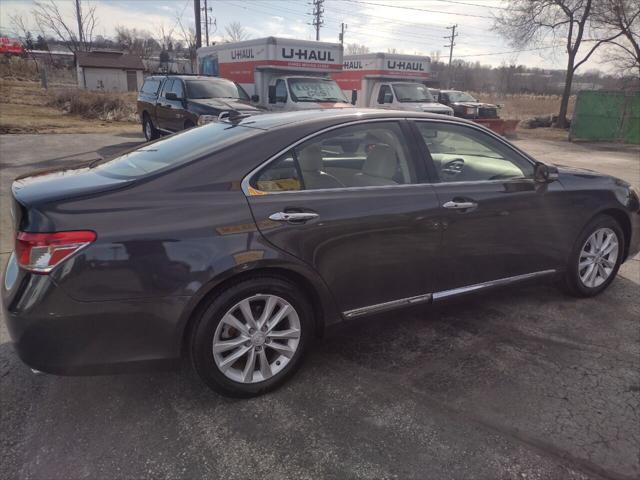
{"x":598,"y":257}
{"x":256,"y":338}
{"x":147,"y":129}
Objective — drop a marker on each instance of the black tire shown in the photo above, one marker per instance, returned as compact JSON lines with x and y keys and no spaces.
{"x":571,"y":282}
{"x":189,"y":124}
{"x":203,"y":331}
{"x":150,"y":132}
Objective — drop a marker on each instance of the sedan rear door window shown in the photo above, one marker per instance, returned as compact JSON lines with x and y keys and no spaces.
{"x":364,"y":155}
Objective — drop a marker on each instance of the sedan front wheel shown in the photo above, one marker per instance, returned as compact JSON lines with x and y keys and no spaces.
{"x":596,"y":257}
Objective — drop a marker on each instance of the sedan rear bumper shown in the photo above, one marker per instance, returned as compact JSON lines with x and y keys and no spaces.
{"x":54,"y":333}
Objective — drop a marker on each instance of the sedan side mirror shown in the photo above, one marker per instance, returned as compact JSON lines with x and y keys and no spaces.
{"x":255,"y":98}
{"x":543,"y":173}
{"x":171,"y":96}
{"x":354,"y":97}
{"x":272,"y":94}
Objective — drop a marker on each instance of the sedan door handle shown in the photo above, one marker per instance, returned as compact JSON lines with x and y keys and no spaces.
{"x":292,"y":217}
{"x":460,"y":205}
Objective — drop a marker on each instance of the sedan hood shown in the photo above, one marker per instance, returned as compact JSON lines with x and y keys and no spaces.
{"x":225,"y":104}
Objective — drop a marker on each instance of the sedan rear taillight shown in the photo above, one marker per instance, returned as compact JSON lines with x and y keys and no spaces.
{"x":40,"y":252}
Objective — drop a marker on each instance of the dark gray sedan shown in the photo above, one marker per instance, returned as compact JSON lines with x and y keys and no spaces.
{"x":236,"y":243}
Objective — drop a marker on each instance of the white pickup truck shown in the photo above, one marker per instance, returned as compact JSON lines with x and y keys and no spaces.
{"x":279,"y":74}
{"x":386,"y":80}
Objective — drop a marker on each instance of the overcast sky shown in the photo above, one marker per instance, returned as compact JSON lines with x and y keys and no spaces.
{"x":378,"y":24}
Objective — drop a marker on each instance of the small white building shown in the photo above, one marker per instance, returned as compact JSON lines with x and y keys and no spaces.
{"x":109,"y":71}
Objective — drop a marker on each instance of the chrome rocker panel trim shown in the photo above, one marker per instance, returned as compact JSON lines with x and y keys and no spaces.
{"x":443,"y":295}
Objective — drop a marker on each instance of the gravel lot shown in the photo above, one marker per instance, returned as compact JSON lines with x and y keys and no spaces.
{"x":521,"y":383}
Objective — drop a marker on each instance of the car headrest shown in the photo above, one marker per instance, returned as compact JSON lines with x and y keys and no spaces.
{"x":310,"y":158}
{"x":381,"y":162}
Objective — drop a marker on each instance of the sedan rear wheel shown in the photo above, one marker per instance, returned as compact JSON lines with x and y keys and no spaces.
{"x":596,"y":257}
{"x":256,"y":338}
{"x":252,"y":336}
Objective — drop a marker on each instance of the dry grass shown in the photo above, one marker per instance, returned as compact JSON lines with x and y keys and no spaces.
{"x":25,"y":107}
{"x":25,"y":69}
{"x":524,"y":106}
{"x":119,"y":107}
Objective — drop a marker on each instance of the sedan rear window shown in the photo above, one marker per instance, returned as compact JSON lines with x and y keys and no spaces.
{"x":176,"y":150}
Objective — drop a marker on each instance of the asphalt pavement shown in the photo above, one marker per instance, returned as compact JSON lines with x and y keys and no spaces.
{"x":521,"y":383}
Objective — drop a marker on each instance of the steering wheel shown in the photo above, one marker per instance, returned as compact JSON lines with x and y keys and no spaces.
{"x":453,"y":167}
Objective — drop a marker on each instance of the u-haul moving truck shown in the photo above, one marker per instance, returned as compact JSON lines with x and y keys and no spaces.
{"x":388,"y":80}
{"x":279,"y":74}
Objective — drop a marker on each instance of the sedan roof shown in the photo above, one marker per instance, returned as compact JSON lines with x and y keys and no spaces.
{"x":328,"y":117}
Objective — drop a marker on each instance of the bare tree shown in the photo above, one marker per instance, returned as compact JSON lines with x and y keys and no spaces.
{"x":49,"y":18}
{"x":17,"y":22}
{"x":612,"y":16}
{"x":164,"y":35}
{"x":137,"y":42}
{"x":526,"y":22}
{"x":188,"y":37}
{"x":356,"y":49}
{"x":235,"y":32}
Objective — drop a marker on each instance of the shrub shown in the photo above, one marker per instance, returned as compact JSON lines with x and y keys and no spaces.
{"x":109,"y":106}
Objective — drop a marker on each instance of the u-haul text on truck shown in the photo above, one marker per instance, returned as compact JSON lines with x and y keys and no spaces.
{"x":279,"y":74}
{"x":388,"y":80}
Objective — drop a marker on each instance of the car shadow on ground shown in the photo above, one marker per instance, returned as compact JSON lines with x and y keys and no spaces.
{"x":531,"y":365}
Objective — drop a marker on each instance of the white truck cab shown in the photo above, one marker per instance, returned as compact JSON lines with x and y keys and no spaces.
{"x":392,"y":81}
{"x":279,"y":74}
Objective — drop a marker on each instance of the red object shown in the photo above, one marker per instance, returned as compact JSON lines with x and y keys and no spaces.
{"x":11,"y":46}
{"x":40,"y":252}
{"x":499,"y":125}
{"x":243,"y":72}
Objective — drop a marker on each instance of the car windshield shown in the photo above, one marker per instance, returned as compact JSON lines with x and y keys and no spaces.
{"x":175,"y":150}
{"x":460,"y":97}
{"x":198,"y":89}
{"x":315,"y":90}
{"x":412,"y":92}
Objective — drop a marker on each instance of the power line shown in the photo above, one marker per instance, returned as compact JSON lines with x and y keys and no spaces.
{"x":362,"y":31}
{"x":452,"y":43}
{"x":343,"y":27}
{"x":471,"y":4}
{"x":417,"y":9}
{"x":505,"y":53}
{"x":317,"y":16}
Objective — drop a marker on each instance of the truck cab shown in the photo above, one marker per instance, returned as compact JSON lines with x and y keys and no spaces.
{"x":279,"y":74}
{"x":389,"y":80}
{"x":303,"y":93}
{"x":411,"y":96}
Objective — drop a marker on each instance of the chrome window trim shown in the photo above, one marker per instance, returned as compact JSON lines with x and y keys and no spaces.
{"x":444,"y":294}
{"x":247,"y":178}
{"x":244,"y":184}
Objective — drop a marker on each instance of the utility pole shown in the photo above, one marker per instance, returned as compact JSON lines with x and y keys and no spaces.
{"x":207,"y":22}
{"x":452,"y":43}
{"x":79,"y":18}
{"x":317,"y":16}
{"x":196,"y":12}
{"x":343,"y":27}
